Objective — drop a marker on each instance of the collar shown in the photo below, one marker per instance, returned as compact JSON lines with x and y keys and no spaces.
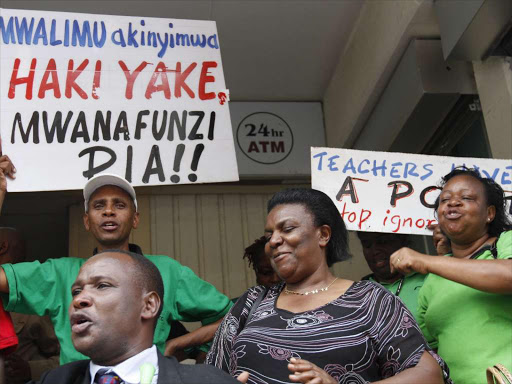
{"x":128,"y":370}
{"x":131,"y":247}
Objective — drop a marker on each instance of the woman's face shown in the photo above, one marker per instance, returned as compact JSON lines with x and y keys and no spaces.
{"x":295,"y":246}
{"x":463,"y":213}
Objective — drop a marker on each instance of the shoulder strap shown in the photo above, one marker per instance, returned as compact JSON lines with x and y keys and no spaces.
{"x":256,"y":303}
{"x":494,"y":249}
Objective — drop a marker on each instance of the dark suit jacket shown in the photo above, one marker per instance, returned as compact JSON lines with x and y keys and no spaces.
{"x":170,"y":372}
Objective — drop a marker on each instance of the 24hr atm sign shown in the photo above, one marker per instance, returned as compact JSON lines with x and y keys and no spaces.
{"x":274,"y":139}
{"x":265,"y":137}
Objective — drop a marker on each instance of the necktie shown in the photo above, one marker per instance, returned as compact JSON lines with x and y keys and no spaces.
{"x":102,"y":377}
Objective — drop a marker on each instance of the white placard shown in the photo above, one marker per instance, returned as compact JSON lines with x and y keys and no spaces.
{"x":141,"y":97}
{"x":392,"y":192}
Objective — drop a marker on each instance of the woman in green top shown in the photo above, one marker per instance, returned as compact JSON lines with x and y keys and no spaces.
{"x":465,"y":307}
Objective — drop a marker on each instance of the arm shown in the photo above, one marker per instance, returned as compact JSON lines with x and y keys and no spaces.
{"x":6,"y":169}
{"x":48,"y":346}
{"x":441,"y":242}
{"x":200,"y":336}
{"x":493,"y":276}
{"x":426,"y":371}
{"x":39,"y":331}
{"x":4,"y":286}
{"x":198,"y":300}
{"x":3,"y":188}
{"x":2,"y":370}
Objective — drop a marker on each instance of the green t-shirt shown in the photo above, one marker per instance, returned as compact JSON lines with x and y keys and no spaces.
{"x":409,"y":292}
{"x":471,"y":329}
{"x":45,"y":289}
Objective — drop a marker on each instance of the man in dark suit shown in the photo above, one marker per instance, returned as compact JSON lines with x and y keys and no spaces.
{"x":116,"y":300}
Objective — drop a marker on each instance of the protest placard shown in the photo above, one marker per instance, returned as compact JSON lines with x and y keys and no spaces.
{"x":392,"y":192}
{"x":141,"y":97}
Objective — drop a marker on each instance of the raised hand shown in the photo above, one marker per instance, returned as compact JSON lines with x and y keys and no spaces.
{"x":441,"y":242}
{"x":407,"y":260}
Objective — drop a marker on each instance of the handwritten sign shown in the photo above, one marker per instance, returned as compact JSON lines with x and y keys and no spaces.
{"x":392,"y":192}
{"x":141,"y":97}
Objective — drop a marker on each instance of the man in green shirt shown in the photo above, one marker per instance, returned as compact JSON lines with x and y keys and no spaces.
{"x":111,"y":214}
{"x":377,"y":249}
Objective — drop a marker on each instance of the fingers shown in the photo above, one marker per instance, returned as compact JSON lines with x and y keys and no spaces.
{"x":400,"y":261}
{"x":305,"y":377}
{"x":441,"y":242}
{"x":432,"y":226}
{"x":394,"y":259}
{"x":7,"y":166}
{"x":299,"y":365}
{"x":308,"y":373}
{"x":243,"y":377}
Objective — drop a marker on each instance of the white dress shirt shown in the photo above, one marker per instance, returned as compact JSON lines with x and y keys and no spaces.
{"x":128,"y":370}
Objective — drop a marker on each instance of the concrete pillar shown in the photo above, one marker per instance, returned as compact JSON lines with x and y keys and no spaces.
{"x":379,"y":38}
{"x":494,"y":83}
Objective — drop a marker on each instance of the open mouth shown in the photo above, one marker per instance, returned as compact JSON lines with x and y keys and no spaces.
{"x":109,"y":226}
{"x":453,"y":215}
{"x":79,"y":323}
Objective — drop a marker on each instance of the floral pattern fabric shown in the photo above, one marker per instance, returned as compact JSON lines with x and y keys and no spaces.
{"x":366,"y":334}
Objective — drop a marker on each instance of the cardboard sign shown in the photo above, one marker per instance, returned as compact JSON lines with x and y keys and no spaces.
{"x":392,"y":192}
{"x":141,"y":97}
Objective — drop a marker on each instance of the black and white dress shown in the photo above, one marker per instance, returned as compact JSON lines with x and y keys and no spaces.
{"x":366,"y":334}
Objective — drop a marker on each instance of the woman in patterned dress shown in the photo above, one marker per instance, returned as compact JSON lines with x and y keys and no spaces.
{"x":314,"y":327}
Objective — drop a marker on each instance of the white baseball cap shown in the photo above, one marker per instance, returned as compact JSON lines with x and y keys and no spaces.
{"x":103,"y":179}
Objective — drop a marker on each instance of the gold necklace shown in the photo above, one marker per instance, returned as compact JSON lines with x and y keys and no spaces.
{"x":286,"y":290}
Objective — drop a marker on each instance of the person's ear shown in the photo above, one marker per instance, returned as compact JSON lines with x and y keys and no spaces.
{"x":491,"y":213}
{"x":135,"y":222}
{"x":325,"y":235}
{"x":152,"y":303}
{"x":86,"y":221}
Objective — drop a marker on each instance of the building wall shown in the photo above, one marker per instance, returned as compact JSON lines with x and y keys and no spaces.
{"x":494,"y":83}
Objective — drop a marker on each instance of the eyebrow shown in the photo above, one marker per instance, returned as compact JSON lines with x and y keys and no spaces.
{"x":93,"y":278}
{"x":281,"y":223}
{"x":461,"y":190}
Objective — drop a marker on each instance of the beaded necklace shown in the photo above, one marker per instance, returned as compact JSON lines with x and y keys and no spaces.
{"x":314,"y":291}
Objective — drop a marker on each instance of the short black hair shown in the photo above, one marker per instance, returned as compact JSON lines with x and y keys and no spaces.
{"x":324,"y":212}
{"x":255,"y":252}
{"x":402,"y":237}
{"x":147,"y":275}
{"x":494,"y":196}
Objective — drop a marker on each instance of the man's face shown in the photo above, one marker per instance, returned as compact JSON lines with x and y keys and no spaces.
{"x":111,"y":216}
{"x":105,"y":312}
{"x":377,"y":248}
